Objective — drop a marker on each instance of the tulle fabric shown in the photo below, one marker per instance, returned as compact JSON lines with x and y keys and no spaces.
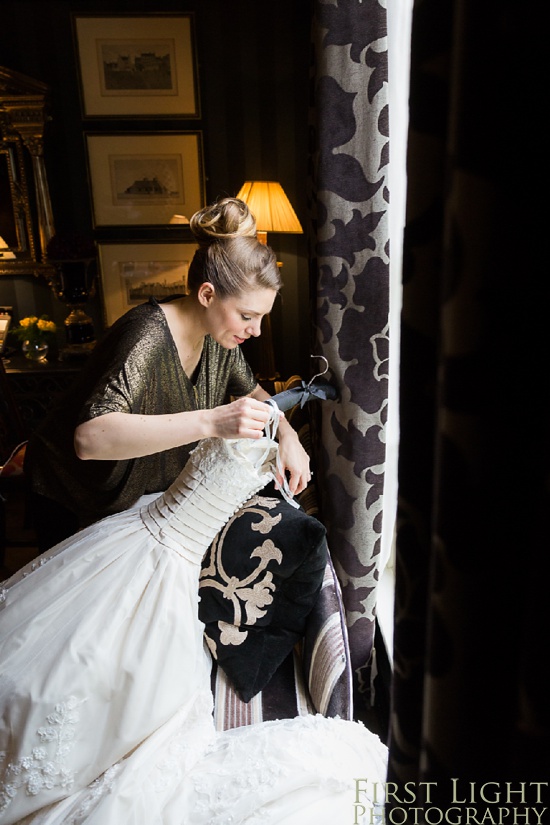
{"x":105,"y":701}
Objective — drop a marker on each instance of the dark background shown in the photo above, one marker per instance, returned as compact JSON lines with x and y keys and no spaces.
{"x":253,"y":75}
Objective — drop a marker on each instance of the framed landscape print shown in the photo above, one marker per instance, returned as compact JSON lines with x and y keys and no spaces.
{"x":144,"y":178}
{"x":130,"y":273}
{"x":137,"y":66}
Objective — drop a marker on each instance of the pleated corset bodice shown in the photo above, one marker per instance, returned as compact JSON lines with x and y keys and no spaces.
{"x":219,"y":476}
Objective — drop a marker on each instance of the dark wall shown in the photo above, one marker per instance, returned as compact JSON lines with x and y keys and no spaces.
{"x":253,"y":67}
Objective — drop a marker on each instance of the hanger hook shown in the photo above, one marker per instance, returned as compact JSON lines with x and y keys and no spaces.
{"x":319,"y":374}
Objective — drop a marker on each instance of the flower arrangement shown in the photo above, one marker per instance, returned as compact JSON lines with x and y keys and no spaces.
{"x":35,"y":330}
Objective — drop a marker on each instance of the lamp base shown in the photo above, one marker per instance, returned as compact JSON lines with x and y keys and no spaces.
{"x":267,"y":356}
{"x":267,"y":370}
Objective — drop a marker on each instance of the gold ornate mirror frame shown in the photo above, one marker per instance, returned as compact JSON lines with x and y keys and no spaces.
{"x":26,"y":221}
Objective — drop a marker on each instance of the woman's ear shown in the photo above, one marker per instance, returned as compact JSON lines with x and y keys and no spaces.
{"x":206,"y":293}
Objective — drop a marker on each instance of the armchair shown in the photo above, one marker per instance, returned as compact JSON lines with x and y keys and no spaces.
{"x":316,"y":676}
{"x":14,"y":530}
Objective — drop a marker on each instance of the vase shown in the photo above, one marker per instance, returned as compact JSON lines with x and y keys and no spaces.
{"x":35,"y":350}
{"x":75,"y":285}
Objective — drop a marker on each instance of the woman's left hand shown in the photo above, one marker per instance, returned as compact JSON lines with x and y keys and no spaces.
{"x":294,"y":459}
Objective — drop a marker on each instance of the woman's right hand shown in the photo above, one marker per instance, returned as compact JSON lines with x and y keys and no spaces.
{"x":244,"y":418}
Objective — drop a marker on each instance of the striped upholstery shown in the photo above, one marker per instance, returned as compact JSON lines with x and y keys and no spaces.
{"x":325,"y":656}
{"x":316,"y":677}
{"x":285,"y":696}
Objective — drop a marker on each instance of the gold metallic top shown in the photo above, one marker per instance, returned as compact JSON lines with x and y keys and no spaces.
{"x":135,"y":369}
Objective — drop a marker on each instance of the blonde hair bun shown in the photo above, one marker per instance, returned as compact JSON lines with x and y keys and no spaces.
{"x":223,"y":219}
{"x":229,"y":255}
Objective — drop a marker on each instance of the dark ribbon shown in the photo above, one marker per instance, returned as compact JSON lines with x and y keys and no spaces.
{"x":318,"y":388}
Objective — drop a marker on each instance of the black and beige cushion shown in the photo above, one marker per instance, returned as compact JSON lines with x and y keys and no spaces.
{"x":314,"y":678}
{"x":259,"y":581}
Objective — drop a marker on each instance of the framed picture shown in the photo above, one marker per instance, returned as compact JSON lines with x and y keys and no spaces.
{"x":130,"y":273}
{"x":144,"y":178}
{"x":137,"y":66}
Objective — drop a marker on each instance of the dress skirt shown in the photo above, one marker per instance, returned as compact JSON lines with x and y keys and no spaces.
{"x":105,"y":700}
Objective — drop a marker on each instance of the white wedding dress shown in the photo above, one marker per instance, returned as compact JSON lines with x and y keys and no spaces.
{"x":105,"y":700}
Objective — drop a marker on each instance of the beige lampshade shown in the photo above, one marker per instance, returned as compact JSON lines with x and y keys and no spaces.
{"x":270,"y":206}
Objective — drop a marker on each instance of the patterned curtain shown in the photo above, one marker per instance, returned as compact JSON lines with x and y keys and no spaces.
{"x":350,"y":285}
{"x":470,"y":686}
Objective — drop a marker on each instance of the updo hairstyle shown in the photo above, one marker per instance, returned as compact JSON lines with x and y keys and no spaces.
{"x":229,"y":256}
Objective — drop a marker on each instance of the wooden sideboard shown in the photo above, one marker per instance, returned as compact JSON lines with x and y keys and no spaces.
{"x":35,"y":386}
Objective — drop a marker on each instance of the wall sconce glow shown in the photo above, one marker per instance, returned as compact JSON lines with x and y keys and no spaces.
{"x":5,"y":252}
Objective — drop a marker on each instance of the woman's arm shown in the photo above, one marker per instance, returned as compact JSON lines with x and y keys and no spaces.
{"x":294,"y":458}
{"x":117,"y":435}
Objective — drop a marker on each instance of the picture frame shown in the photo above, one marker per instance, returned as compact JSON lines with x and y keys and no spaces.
{"x":130,"y":273}
{"x":137,"y":66}
{"x":144,"y":178}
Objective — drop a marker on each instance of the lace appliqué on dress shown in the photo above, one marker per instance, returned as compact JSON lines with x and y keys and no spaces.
{"x":45,"y":768}
{"x":99,"y":788}
{"x":187,"y":746}
{"x":256,"y":774}
{"x":242,"y":795}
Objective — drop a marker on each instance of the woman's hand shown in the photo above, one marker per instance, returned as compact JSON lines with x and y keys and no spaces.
{"x":244,"y":418}
{"x":247,"y":417}
{"x":294,"y":459}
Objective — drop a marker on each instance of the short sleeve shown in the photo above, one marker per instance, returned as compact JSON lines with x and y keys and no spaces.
{"x":120,"y":389}
{"x":136,"y":373}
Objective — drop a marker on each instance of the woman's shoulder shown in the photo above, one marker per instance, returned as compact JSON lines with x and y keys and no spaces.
{"x":143,"y":318}
{"x":140,"y":333}
{"x":147,"y":312}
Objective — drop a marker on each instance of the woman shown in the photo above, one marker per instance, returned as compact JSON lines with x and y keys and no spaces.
{"x":105,"y":701}
{"x":159,"y":382}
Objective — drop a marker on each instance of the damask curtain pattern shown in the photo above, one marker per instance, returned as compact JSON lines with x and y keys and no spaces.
{"x":350,"y":154}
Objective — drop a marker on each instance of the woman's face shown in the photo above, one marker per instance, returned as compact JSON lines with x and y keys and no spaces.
{"x":230,"y":321}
